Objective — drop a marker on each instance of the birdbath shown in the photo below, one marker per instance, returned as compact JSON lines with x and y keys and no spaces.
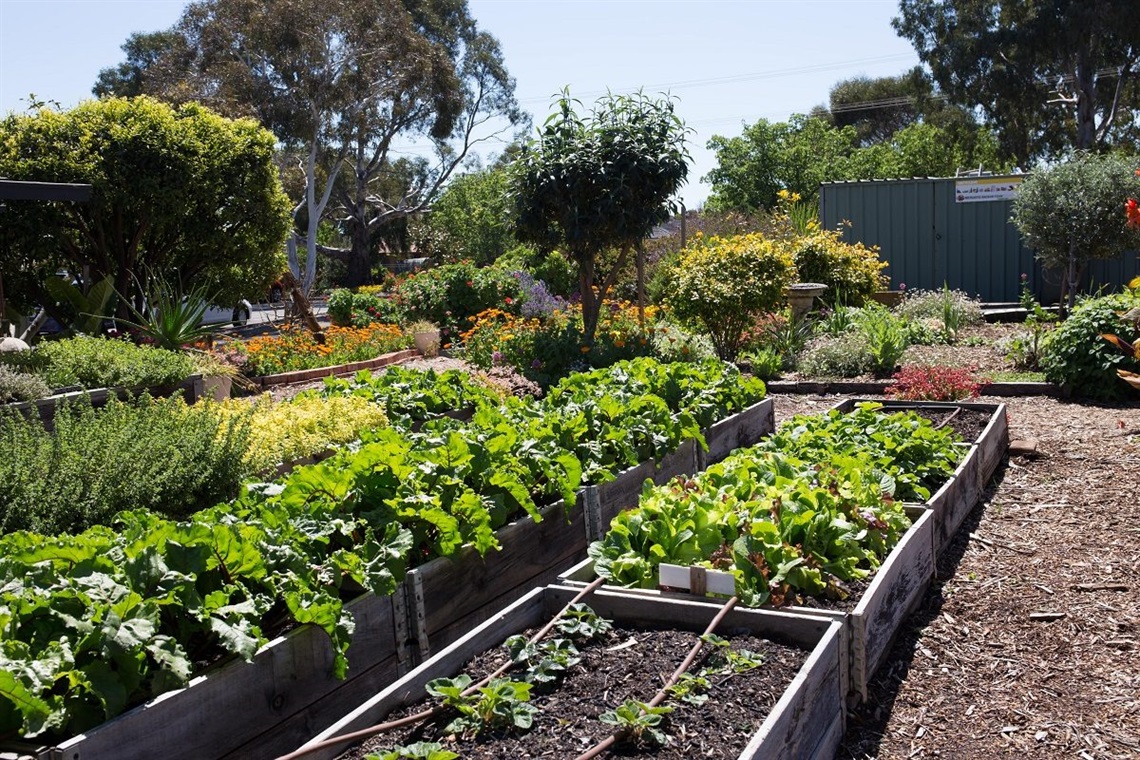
{"x":801,"y":295}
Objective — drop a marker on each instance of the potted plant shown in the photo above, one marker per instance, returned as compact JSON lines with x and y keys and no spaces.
{"x":426,"y":337}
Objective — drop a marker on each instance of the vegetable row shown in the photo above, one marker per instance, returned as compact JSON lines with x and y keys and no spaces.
{"x":815,"y":507}
{"x":94,"y":623}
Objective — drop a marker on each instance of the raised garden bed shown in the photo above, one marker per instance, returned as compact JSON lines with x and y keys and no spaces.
{"x":192,"y":388}
{"x":806,"y":721}
{"x":533,"y":553}
{"x":239,"y":710}
{"x":340,"y":370}
{"x":958,"y":496}
{"x":868,"y":629}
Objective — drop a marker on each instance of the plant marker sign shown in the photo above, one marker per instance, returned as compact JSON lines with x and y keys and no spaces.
{"x":987,"y":189}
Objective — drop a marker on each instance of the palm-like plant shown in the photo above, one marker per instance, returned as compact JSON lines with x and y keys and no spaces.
{"x":172,"y":318}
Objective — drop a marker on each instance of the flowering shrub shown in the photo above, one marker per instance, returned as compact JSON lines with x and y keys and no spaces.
{"x":549,"y":348}
{"x":301,"y":427}
{"x":935,"y":383}
{"x":297,"y":349}
{"x":360,"y":309}
{"x":449,"y":295}
{"x":851,"y":271}
{"x":723,"y":284}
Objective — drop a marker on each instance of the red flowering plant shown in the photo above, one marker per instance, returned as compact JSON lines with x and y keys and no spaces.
{"x":935,"y":383}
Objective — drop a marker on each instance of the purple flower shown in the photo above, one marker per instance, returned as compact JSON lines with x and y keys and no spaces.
{"x":497,"y":357}
{"x":1024,"y":277}
{"x":536,"y":364}
{"x":902,"y":286}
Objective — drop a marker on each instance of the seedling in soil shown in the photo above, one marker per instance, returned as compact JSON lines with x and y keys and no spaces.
{"x":501,"y":704}
{"x":731,"y":660}
{"x":546,"y":661}
{"x":582,"y":624}
{"x":690,"y":689}
{"x":637,"y":721}
{"x":417,"y":751}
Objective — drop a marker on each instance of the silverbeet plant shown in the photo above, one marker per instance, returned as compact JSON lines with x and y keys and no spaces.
{"x":638,"y":722}
{"x":502,"y":704}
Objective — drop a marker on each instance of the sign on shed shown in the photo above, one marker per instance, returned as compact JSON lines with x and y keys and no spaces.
{"x":986,"y":189}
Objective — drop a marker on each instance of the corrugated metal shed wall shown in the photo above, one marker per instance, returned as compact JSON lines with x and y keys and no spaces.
{"x":929,"y":239}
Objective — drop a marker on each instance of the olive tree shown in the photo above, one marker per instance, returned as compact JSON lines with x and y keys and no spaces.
{"x":179,"y":192}
{"x":598,"y":181}
{"x":1071,"y":213}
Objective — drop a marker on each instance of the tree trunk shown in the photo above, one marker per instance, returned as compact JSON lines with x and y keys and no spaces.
{"x":1085,"y":85}
{"x":360,"y":257}
{"x":589,"y":300}
{"x":1073,"y":278}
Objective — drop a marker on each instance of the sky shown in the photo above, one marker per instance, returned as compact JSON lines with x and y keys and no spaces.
{"x":727,"y":62}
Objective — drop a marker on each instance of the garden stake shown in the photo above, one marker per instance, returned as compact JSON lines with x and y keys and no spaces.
{"x":663,"y":694}
{"x":423,"y":715}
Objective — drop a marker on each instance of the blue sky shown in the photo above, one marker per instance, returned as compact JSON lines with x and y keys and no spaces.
{"x":728,"y":62}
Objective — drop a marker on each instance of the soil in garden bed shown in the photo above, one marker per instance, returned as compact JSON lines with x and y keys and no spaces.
{"x":969,"y":424}
{"x":611,"y":672}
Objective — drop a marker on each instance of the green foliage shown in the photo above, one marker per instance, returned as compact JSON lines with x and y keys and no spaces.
{"x":501,"y":704}
{"x":874,"y":341}
{"x":21,"y":386}
{"x":844,"y":355}
{"x":172,"y":318}
{"x":673,"y":343}
{"x":182,"y":191}
{"x":599,"y":182}
{"x":554,"y":270}
{"x":904,"y":445}
{"x":581,"y":623}
{"x":470,"y":220}
{"x":638,"y":722}
{"x":87,"y":308}
{"x":724,"y":284}
{"x":726,"y":659}
{"x":764,"y":363}
{"x":148,"y":453}
{"x":349,"y":309}
{"x":103,"y":363}
{"x":417,"y":751}
{"x":1075,"y":357}
{"x":851,"y":271}
{"x":1071,"y":213}
{"x":451,"y":294}
{"x":546,"y":662}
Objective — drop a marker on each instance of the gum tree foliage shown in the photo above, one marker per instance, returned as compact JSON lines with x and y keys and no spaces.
{"x":600,"y":180}
{"x":471,"y":219}
{"x":341,"y":82}
{"x":1048,"y":76}
{"x":1073,"y":212}
{"x":803,"y":152}
{"x":182,"y":193}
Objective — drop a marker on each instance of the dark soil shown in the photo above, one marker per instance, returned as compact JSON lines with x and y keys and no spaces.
{"x":568,"y":724}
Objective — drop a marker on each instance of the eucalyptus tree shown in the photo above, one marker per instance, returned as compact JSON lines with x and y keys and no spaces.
{"x":597,"y":181}
{"x":345,"y":85}
{"x":1049,"y":76}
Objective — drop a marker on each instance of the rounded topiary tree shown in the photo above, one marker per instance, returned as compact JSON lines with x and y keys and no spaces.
{"x":1071,"y":214}
{"x":723,"y":284}
{"x":597,"y":182}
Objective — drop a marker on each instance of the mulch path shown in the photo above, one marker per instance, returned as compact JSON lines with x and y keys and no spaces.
{"x":977,"y":670}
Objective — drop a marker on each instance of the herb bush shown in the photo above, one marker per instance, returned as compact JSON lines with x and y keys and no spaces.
{"x":781,"y":526}
{"x":724,"y":284}
{"x":949,"y":309}
{"x":870,"y":340}
{"x":935,"y":383}
{"x":92,"y":362}
{"x":1076,"y":358}
{"x":157,"y":454}
{"x":281,"y":432}
{"x":20,"y":386}
{"x":903,"y":445}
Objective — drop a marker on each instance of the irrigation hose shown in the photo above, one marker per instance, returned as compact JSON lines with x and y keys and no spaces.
{"x":408,"y":720}
{"x":663,"y":693}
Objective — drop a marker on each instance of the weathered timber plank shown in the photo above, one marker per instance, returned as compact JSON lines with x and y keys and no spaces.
{"x":961,"y":495}
{"x":993,"y":444}
{"x":745,"y":428}
{"x":451,"y":595}
{"x":683,"y":461}
{"x":623,"y":492}
{"x":219,"y":712}
{"x":897,"y":588}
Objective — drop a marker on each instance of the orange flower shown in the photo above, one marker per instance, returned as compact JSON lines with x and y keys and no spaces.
{"x":1132,"y":211}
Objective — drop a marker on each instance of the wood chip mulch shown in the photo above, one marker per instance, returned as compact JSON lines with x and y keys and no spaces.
{"x":1028,"y":642}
